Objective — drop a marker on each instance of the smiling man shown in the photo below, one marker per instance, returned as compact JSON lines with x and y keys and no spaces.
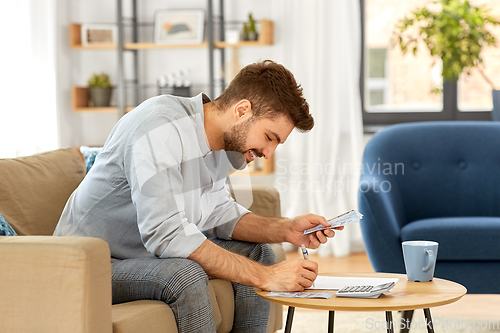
{"x":157,"y":195}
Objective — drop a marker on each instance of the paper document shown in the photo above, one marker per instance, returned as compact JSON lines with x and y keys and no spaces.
{"x":294,"y":294}
{"x":335,"y":283}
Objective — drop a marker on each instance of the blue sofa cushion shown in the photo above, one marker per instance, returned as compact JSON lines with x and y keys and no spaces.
{"x":459,"y":238}
{"x":89,"y":154}
{"x":5,"y":228}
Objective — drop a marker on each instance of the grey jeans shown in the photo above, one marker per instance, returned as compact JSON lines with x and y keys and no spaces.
{"x":183,"y":285}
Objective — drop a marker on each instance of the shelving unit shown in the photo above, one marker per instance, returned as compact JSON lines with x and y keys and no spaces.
{"x":265,"y":39}
{"x":75,"y":40}
{"x":80,"y":94}
{"x":80,"y":102}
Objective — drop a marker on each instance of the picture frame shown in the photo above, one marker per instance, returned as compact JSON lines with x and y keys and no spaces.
{"x":179,"y":26}
{"x":98,"y":34}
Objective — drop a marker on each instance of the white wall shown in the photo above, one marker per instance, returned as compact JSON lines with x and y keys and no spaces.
{"x":76,"y":66}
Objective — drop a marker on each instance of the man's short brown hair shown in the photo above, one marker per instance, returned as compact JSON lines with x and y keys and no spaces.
{"x":272,"y":91}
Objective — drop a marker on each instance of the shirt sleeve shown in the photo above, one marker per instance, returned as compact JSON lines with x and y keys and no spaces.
{"x":153,"y":169}
{"x":225,"y":216}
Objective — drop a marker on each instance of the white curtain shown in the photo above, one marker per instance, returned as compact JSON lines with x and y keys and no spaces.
{"x":318,"y":172}
{"x":28,"y":121}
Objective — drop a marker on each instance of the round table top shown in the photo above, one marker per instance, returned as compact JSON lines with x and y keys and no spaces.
{"x":405,"y":295}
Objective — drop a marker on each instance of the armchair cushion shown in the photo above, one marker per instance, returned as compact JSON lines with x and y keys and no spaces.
{"x":89,"y":154}
{"x":466,"y":231}
{"x":143,"y":316}
{"x":34,"y":189}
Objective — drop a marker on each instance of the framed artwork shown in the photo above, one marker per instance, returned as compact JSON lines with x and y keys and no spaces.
{"x":178,"y":26}
{"x":95,"y":34}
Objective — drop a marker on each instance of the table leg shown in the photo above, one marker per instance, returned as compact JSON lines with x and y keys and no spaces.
{"x":428,"y":321}
{"x":389,"y":321}
{"x":289,"y":319}
{"x":331,"y":318}
{"x":407,"y":318}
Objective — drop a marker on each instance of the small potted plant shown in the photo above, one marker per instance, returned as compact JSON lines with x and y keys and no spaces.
{"x":100,"y":90}
{"x":244,"y":33}
{"x":249,"y":31}
{"x":454,"y":31}
{"x":252,"y":31}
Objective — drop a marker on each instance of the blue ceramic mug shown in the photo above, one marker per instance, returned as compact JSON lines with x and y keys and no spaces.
{"x":420,"y":260}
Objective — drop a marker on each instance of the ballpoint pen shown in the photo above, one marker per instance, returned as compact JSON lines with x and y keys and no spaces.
{"x":304,"y":252}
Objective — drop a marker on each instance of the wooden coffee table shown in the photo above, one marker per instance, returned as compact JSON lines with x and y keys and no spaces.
{"x":406,"y":295}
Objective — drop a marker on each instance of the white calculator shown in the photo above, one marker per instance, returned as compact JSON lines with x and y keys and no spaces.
{"x":365,"y":291}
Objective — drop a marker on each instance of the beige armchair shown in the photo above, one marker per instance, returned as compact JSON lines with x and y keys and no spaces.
{"x":63,"y":284}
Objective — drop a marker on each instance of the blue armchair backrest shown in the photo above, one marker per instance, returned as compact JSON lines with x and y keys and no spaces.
{"x":437,"y":169}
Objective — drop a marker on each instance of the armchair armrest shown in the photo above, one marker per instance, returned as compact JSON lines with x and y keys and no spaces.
{"x":380,"y":203}
{"x":55,"y":284}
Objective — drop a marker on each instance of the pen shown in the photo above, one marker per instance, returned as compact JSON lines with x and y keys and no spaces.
{"x":304,"y":252}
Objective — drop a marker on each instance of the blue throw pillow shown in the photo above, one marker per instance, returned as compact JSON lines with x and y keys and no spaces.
{"x":89,"y":154}
{"x":5,"y":228}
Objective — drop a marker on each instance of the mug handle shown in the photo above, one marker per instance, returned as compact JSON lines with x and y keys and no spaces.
{"x":430,"y":264}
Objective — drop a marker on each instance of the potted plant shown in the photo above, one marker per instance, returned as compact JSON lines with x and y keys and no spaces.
{"x":244,"y":33}
{"x":453,"y":31}
{"x":252,"y":31}
{"x":100,"y":90}
{"x":249,"y":31}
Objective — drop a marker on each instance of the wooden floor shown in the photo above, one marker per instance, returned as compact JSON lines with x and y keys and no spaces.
{"x":484,"y":307}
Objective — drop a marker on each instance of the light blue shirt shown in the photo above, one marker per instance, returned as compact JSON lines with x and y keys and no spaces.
{"x":156,"y":189}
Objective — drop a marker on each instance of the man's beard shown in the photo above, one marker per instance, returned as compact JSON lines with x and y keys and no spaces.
{"x":234,"y":144}
{"x":235,"y":139}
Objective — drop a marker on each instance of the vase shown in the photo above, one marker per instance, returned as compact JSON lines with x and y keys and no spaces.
{"x":253,"y":36}
{"x":100,"y":97}
{"x":495,"y":113}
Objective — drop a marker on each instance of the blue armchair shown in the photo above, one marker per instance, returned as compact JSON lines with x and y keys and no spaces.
{"x":435,"y":181}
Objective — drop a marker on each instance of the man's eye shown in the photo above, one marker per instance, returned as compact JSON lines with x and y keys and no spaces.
{"x":268,"y":138}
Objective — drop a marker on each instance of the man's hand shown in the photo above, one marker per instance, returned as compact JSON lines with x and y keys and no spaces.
{"x":289,"y":275}
{"x":312,"y":241}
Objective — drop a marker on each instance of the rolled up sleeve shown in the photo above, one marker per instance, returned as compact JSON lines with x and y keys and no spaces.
{"x":225,"y":216}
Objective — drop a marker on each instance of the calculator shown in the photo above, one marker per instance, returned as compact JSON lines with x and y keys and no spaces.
{"x":365,"y":291}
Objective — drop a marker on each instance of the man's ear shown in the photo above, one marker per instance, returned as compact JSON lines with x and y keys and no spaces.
{"x":242,"y":109}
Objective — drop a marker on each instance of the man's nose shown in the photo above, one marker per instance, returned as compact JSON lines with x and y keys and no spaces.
{"x":268,"y":151}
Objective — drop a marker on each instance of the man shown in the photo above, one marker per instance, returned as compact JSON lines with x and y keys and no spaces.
{"x":157,"y":195}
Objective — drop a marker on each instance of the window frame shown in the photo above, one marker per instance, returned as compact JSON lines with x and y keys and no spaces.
{"x":450,"y":109}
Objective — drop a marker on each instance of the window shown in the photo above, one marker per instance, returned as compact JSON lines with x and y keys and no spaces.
{"x":399,"y":88}
{"x":474,"y":91}
{"x":376,"y":82}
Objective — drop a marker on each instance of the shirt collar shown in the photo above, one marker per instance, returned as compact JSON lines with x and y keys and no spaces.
{"x":200,"y":126}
